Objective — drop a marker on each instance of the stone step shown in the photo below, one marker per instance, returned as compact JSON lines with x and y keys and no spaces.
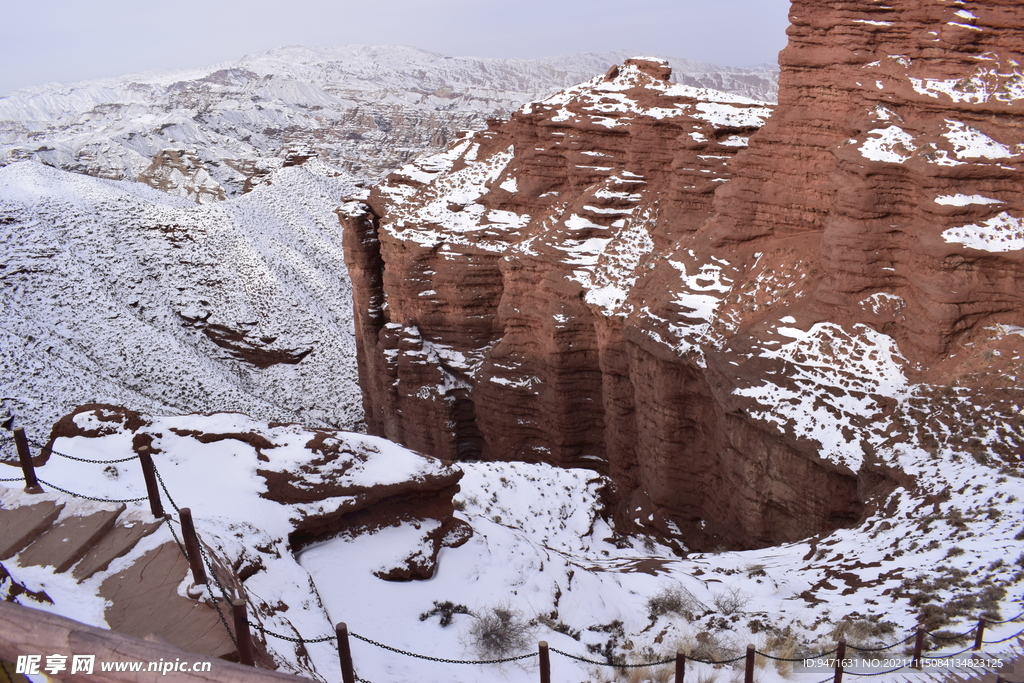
{"x":143,"y":598}
{"x":69,"y":539}
{"x":20,"y":525}
{"x":121,"y":539}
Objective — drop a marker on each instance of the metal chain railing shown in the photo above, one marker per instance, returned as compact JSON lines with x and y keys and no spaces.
{"x":1003,"y":640}
{"x":181,"y":547}
{"x":220,"y":586}
{"x":99,"y":500}
{"x":1005,"y":621}
{"x":216,"y":606}
{"x":884,"y":647}
{"x":268,"y":632}
{"x":164,"y":487}
{"x":617,"y":666}
{"x":44,"y":447}
{"x":441,"y":659}
{"x":711,"y":661}
{"x":954,"y":637}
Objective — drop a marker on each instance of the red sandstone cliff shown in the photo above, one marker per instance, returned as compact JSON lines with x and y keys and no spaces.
{"x":744,"y":338}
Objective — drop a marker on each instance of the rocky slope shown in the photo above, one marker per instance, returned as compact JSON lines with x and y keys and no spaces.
{"x":213,"y":133}
{"x":757,"y":343}
{"x":113,"y":292}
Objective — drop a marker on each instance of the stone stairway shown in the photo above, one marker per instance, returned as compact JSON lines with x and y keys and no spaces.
{"x":84,"y":544}
{"x":149,"y":594}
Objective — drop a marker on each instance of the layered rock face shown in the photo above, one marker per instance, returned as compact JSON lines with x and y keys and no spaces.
{"x":745,"y":338}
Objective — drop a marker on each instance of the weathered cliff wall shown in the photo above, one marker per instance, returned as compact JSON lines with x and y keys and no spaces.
{"x":741,"y":337}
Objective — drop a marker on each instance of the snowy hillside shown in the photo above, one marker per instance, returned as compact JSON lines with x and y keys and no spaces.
{"x":365,"y":109}
{"x":115,"y":292}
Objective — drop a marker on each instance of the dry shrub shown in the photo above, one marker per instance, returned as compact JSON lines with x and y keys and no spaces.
{"x":709,"y":647}
{"x":730,"y":601}
{"x":500,"y":631}
{"x":707,"y":674}
{"x":782,"y":644}
{"x":863,"y":632}
{"x":673,"y":600}
{"x":645,"y":674}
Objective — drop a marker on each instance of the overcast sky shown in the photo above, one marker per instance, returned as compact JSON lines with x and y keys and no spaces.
{"x":72,"y":40}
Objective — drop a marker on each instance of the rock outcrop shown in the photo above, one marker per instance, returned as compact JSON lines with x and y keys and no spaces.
{"x":329,"y":482}
{"x":258,"y":493}
{"x":182,"y":173}
{"x":745,"y":338}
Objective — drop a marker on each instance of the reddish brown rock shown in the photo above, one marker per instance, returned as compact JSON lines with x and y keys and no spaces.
{"x":258,"y":493}
{"x":742,"y":341}
{"x":324,"y":490}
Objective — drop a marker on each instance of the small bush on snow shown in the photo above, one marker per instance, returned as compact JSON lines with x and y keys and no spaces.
{"x":446,"y":610}
{"x":500,"y":631}
{"x":673,"y":600}
{"x":730,"y":601}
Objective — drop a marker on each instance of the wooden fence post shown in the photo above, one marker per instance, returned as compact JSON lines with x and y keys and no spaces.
{"x":680,"y":666}
{"x":545,"y":662}
{"x":246,"y":654}
{"x":918,"y":648}
{"x":979,"y":637}
{"x":192,"y":551}
{"x":348,"y":674}
{"x":149,"y":473}
{"x":748,"y":675}
{"x":27,"y":469}
{"x":840,"y":656}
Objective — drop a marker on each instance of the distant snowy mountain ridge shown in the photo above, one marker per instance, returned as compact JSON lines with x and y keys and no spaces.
{"x":216,"y":132}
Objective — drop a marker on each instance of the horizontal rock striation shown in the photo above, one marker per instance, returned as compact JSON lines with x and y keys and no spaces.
{"x":742,"y":314}
{"x":898,"y":148}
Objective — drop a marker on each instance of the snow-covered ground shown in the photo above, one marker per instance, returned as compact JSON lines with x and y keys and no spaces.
{"x":542,"y":552}
{"x":84,"y":321}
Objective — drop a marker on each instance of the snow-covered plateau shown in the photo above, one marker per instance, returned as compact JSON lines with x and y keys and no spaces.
{"x":213,"y":132}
